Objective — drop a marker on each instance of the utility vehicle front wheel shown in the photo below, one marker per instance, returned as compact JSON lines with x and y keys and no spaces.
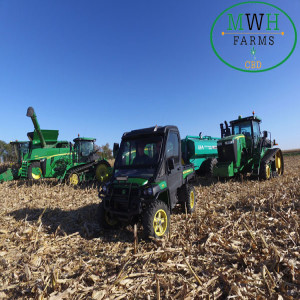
{"x":105,"y":219}
{"x":156,"y":219}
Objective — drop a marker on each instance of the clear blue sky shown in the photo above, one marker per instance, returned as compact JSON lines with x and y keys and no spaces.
{"x":100,"y":68}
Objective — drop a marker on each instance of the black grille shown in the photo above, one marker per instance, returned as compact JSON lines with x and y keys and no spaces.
{"x":227,"y":153}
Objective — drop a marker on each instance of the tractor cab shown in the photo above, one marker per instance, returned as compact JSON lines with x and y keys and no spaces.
{"x":20,"y":149}
{"x":84,"y":149}
{"x":250,"y":128}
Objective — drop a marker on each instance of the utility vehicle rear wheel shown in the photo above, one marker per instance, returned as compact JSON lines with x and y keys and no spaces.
{"x":105,"y":220}
{"x":102,"y":171}
{"x":156,"y":219}
{"x":188,"y":199}
{"x":35,"y":171}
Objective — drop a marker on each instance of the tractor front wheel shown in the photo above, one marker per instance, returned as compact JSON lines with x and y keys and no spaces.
{"x":265,"y":171}
{"x":156,"y":219}
{"x":35,"y":171}
{"x":73,"y":179}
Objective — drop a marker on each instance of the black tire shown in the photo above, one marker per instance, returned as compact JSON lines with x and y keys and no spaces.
{"x":156,"y":219}
{"x":265,"y":171}
{"x":31,"y":170}
{"x":207,"y":167}
{"x":188,"y":198}
{"x":105,"y":220}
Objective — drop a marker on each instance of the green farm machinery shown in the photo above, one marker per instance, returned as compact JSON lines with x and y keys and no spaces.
{"x":47,"y":157}
{"x":201,"y":152}
{"x":242,"y":149}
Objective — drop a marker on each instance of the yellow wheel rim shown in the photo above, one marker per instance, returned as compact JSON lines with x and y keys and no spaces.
{"x":268,"y":171}
{"x":160,"y":222}
{"x":36,"y":173}
{"x":192,"y":199}
{"x":278,"y":163}
{"x":102,"y":173}
{"x":74,"y":179}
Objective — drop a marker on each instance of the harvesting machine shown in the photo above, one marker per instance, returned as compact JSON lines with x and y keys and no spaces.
{"x":49,"y":158}
{"x":243,"y":149}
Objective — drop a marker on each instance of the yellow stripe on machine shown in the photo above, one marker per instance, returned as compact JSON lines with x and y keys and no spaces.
{"x":187,"y":171}
{"x":52,"y":155}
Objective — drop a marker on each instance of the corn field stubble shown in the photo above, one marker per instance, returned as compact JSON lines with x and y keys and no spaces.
{"x":242,"y":242}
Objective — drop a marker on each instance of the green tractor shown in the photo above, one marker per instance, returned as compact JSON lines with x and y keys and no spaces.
{"x":49,"y":158}
{"x":243,"y":149}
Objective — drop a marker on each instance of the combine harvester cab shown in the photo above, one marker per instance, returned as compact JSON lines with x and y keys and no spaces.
{"x":201,"y":152}
{"x":21,"y":148}
{"x":244,"y":149}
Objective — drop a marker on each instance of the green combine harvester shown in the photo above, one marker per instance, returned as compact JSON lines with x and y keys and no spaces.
{"x":46,"y":157}
{"x":242,"y":149}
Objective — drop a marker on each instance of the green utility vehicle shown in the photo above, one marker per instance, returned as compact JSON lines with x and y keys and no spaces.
{"x":46,"y":157}
{"x":243,"y":149}
{"x":148,"y":180}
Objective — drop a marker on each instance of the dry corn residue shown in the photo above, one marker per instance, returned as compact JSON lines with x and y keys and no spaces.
{"x":242,"y":242}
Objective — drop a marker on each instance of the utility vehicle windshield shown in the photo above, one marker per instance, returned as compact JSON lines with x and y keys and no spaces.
{"x":140,"y":155}
{"x":242,"y":128}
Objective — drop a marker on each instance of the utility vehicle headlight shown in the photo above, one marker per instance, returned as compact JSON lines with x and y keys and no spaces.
{"x":150,"y":191}
{"x":228,"y":142}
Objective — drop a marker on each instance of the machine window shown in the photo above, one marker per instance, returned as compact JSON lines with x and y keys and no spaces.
{"x":172,"y":149}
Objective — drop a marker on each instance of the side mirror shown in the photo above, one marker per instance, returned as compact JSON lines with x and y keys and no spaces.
{"x":171,"y":164}
{"x":265,"y":134}
{"x":116,"y":149}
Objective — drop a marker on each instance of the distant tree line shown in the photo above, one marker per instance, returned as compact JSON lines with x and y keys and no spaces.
{"x":6,"y":152}
{"x":104,"y":151}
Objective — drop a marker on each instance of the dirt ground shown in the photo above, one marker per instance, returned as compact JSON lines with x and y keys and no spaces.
{"x":242,"y":242}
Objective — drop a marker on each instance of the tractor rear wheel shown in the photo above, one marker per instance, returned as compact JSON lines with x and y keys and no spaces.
{"x":265,"y":171}
{"x":35,"y":171}
{"x":102,"y":171}
{"x":156,"y":219}
{"x":105,"y":220}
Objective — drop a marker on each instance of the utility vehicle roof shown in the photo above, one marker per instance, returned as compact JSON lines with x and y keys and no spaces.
{"x":161,"y":130}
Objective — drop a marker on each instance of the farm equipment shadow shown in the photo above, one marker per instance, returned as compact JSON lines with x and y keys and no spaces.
{"x":54,"y":182}
{"x":83,"y":220}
